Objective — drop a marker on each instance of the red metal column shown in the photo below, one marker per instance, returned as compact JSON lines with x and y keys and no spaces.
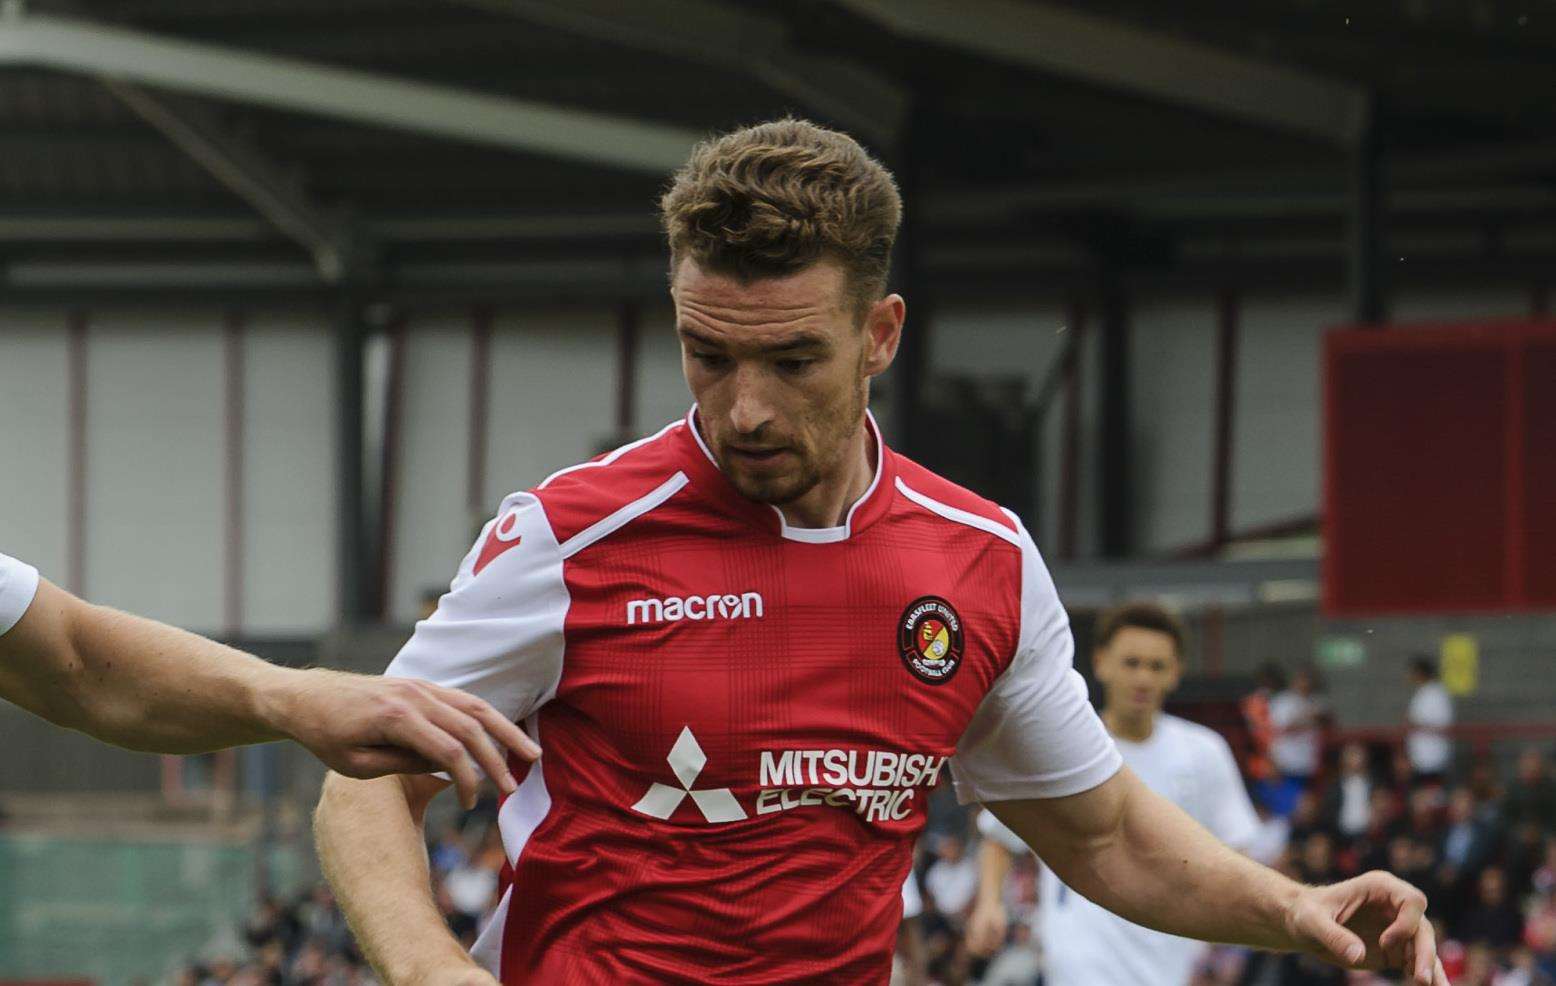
{"x":232,"y":574}
{"x":1069,"y":463}
{"x":1226,"y":400}
{"x":1517,"y":523}
{"x":76,"y":385}
{"x":628,"y":318}
{"x":480,"y":413}
{"x":394,"y":406}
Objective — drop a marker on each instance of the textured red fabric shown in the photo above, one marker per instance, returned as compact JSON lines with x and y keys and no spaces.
{"x":798,"y":890}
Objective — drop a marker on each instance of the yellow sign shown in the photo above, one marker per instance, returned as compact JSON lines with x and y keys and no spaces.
{"x":1460,"y":664}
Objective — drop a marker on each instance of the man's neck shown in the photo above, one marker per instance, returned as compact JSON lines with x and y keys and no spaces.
{"x":827,"y":503}
{"x":1130,"y":728}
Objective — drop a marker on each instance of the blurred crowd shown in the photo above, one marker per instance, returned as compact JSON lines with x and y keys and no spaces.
{"x":304,"y":941}
{"x":1481,"y":842}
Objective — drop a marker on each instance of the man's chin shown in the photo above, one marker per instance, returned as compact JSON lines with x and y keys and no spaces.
{"x":777,"y":491}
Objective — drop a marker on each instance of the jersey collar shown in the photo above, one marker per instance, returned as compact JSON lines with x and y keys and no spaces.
{"x":706,"y":474}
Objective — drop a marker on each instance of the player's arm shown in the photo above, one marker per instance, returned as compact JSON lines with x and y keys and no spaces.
{"x":372,"y":847}
{"x":147,"y":686}
{"x":989,"y":922}
{"x":1139,"y":855}
{"x":498,"y":633}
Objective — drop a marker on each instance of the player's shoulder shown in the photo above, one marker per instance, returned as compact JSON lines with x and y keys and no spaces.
{"x":959,"y":509}
{"x":1192,"y":735}
{"x":578,"y":497}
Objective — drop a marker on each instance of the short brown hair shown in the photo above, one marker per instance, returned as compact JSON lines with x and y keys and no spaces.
{"x":1141,"y":616}
{"x":772,"y":199}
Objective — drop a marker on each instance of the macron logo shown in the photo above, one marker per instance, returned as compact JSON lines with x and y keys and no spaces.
{"x":719,"y":606}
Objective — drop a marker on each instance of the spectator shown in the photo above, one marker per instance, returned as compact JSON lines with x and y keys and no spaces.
{"x":1532,"y":798}
{"x":1296,"y":716}
{"x":1429,"y":716}
{"x":1348,"y":802}
{"x":1466,"y":844}
{"x":1493,"y":919}
{"x":953,"y":878}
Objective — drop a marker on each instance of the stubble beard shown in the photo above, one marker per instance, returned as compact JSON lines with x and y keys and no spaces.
{"x":813,"y":468}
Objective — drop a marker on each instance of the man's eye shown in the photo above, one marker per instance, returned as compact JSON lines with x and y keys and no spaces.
{"x":708,"y":359}
{"x":795,"y":365}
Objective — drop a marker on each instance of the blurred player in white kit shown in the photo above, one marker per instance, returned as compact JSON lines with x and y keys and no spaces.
{"x":1139,"y":663}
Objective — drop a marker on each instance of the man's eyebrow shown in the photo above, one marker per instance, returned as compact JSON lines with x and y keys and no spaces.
{"x":796,"y":341}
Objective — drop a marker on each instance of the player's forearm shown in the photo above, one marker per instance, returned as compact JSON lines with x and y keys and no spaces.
{"x":138,"y":683}
{"x":993,"y":866}
{"x":371,"y":846}
{"x":1161,"y":869}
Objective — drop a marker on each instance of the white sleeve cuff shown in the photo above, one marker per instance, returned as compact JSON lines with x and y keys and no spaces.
{"x":18,"y":585}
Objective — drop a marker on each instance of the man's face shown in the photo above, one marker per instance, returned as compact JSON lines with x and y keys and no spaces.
{"x":780,"y":368}
{"x":1138,"y":669}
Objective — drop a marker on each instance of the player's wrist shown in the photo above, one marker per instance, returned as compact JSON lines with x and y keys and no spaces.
{"x":277,"y":697}
{"x":1283,"y":913}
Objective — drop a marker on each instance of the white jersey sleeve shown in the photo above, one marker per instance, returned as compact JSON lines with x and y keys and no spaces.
{"x":1230,"y":815}
{"x":1035,"y":735}
{"x":18,"y":585}
{"x":497,"y":633}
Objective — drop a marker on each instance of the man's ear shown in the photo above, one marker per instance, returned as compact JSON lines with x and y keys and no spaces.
{"x":883,"y":331}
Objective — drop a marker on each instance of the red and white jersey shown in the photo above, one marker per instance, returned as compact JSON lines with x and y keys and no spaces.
{"x":741,"y":720}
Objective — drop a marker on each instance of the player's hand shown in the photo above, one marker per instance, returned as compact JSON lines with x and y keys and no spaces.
{"x":986,"y":927}
{"x":1373,"y":921}
{"x":363,"y":726}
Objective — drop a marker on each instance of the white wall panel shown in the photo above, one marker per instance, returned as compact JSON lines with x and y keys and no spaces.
{"x":1278,"y":426}
{"x":34,"y":439}
{"x":432,"y":525}
{"x":289,"y":504}
{"x":553,"y":393}
{"x":1172,"y":365}
{"x":1000,"y":341}
{"x":155,"y":413}
{"x":662,"y":395}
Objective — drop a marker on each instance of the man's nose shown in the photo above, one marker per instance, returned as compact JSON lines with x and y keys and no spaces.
{"x":750,"y":410}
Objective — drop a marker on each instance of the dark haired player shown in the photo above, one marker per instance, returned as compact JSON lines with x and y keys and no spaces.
{"x":1139,"y":661}
{"x":750,"y":643}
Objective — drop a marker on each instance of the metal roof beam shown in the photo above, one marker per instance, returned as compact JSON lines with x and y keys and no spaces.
{"x":1067,"y":42}
{"x":742,"y":41}
{"x":361,"y":97}
{"x":277,"y":193}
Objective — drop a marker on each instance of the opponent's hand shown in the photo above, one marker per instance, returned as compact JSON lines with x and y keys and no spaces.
{"x":986,"y":927}
{"x":1373,"y":921}
{"x":363,"y":726}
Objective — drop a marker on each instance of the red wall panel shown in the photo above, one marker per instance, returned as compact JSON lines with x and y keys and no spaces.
{"x":1440,"y":469}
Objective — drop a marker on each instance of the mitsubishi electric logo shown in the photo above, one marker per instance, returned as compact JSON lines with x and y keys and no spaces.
{"x":687,"y":760}
{"x":718,"y":606}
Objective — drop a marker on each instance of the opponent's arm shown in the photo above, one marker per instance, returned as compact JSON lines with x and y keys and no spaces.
{"x":988,"y":922}
{"x":148,"y":686}
{"x":1139,"y":855}
{"x":371,"y":844}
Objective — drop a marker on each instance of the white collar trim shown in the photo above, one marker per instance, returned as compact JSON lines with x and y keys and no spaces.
{"x":814,"y":535}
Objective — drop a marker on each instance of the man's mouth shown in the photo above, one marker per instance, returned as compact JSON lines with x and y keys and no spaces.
{"x":756,"y":454}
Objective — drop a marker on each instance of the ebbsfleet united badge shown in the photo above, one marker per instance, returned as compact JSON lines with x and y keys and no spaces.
{"x":929,"y":637}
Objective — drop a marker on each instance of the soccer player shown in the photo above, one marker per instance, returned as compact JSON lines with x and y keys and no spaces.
{"x":1138,"y":660}
{"x":147,"y":686}
{"x":750,"y":643}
